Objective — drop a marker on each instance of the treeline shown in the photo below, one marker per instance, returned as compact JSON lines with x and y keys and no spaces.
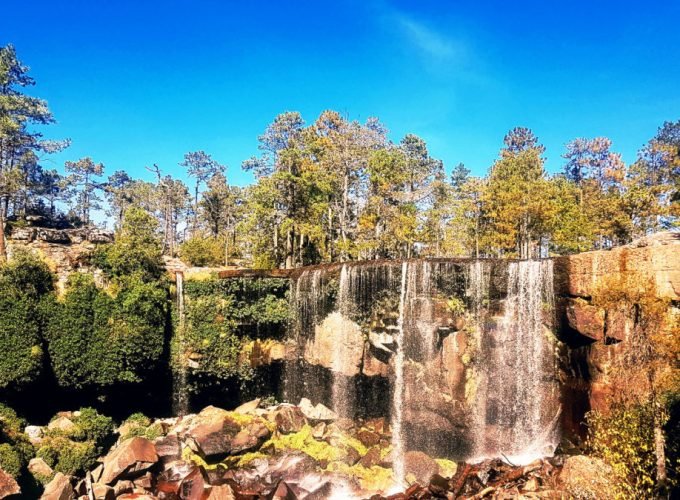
{"x":337,"y":190}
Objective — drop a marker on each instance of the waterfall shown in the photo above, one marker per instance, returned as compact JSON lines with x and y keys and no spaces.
{"x":519,"y":400}
{"x":398,"y":389}
{"x":180,"y":397}
{"x":341,"y":394}
{"x":462,"y":345}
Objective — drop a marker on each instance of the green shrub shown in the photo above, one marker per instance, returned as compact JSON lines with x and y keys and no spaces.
{"x":96,"y":339}
{"x":15,"y":448}
{"x":92,"y":426}
{"x":10,"y":460}
{"x":67,"y":456}
{"x":24,"y":283}
{"x":202,"y":251}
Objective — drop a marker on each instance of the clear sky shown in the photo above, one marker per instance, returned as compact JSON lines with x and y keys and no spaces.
{"x":138,"y":82}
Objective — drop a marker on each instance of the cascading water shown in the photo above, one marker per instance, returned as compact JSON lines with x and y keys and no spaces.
{"x":463,"y":343}
{"x":399,"y":389}
{"x":180,"y":398}
{"x":519,"y":401}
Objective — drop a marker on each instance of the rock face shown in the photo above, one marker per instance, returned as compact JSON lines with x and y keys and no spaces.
{"x":337,"y":345}
{"x":596,"y":337}
{"x":131,"y":456}
{"x":655,"y":257}
{"x":65,"y":250}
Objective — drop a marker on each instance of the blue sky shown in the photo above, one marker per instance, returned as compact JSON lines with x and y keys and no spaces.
{"x":134,"y":83}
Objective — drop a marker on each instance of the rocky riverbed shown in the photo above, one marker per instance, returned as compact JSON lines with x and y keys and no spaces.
{"x":286,"y":452}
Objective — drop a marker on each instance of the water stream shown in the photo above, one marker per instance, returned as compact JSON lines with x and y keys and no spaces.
{"x":180,"y":396}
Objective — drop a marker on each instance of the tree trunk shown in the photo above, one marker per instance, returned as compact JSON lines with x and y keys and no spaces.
{"x":660,"y":452}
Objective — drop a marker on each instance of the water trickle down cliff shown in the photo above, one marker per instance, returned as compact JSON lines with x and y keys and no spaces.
{"x":180,"y":396}
{"x":462,"y":343}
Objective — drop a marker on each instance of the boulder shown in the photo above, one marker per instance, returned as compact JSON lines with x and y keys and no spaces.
{"x":8,"y":486}
{"x":34,"y":433}
{"x":59,"y":488}
{"x":421,"y":465}
{"x":371,"y":458}
{"x":39,"y":468}
{"x":318,"y":413}
{"x":128,"y":458}
{"x":586,"y":319}
{"x":288,"y":419}
{"x":170,"y":480}
{"x":62,"y":424}
{"x":248,"y":407}
{"x":223,"y":492}
{"x":587,"y":477}
{"x":103,"y":492}
{"x":215,"y":432}
{"x":368,"y":438}
{"x":168,"y":448}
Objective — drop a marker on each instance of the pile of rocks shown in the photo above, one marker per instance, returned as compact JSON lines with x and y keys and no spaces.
{"x":294,"y":452}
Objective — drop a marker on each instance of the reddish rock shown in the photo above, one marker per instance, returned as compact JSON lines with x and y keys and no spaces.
{"x":129,"y":457}
{"x":586,"y":319}
{"x":587,"y":477}
{"x":223,"y":492}
{"x":168,"y":448}
{"x":600,"y":395}
{"x":8,"y":486}
{"x":288,"y":419}
{"x":137,"y":496}
{"x":103,"y":492}
{"x":193,"y":485}
{"x":421,"y":465}
{"x":170,"y":480}
{"x":38,"y":467}
{"x":653,"y":257}
{"x":218,"y":432}
{"x":62,"y":424}
{"x":59,"y":488}
{"x":619,"y":324}
{"x":371,"y":458}
{"x":368,"y":438}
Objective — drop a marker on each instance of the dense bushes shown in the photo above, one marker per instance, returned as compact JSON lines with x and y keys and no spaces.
{"x":96,"y":338}
{"x":25,"y":282}
{"x":222,"y":315}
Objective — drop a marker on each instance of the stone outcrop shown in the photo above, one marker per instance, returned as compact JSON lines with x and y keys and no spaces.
{"x":338,"y":345}
{"x":64,"y":250}
{"x":654,"y":257}
{"x":596,"y":337}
